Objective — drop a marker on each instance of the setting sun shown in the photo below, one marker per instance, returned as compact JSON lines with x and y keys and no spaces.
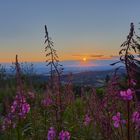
{"x":84,"y":59}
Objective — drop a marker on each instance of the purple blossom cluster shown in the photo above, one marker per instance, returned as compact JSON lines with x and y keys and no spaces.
{"x":51,"y":134}
{"x":20,"y":106}
{"x":136,"y":118}
{"x":64,"y":135}
{"x":117,"y":120}
{"x":7,"y":122}
{"x":47,"y":102}
{"x":87,"y":120}
{"x":19,"y":109}
{"x":126,"y":95}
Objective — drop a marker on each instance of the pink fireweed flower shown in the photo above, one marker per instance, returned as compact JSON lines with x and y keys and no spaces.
{"x":117,"y":120}
{"x":51,"y":134}
{"x":46,"y":102}
{"x":20,"y":106}
{"x":64,"y":135}
{"x":25,"y":108}
{"x":126,"y":95}
{"x":136,"y":117}
{"x":87,"y":120}
{"x":19,"y":109}
{"x":7,"y":122}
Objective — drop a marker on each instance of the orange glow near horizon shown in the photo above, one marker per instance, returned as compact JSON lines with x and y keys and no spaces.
{"x":32,"y":52}
{"x":40,"y":57}
{"x":43,"y":58}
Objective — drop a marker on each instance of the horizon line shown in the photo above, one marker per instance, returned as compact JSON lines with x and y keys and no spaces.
{"x":2,"y":62}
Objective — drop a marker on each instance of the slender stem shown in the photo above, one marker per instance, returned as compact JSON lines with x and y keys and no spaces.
{"x":129,"y":83}
{"x":121,"y":131}
{"x":18,"y":133}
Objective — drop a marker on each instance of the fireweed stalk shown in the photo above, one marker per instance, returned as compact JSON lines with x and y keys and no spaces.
{"x":130,"y":62}
{"x":55,"y":73}
{"x":101,"y":110}
{"x":20,"y":105}
{"x":130,"y":36}
{"x":47,"y":104}
{"x":19,"y":108}
{"x":127,"y":63}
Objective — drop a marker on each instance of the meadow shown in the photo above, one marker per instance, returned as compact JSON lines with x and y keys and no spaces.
{"x":52,"y":110}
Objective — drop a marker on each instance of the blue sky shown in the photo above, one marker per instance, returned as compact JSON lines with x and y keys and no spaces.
{"x":79,"y":28}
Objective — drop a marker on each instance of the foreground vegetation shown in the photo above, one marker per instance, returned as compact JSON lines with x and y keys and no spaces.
{"x":51,"y":111}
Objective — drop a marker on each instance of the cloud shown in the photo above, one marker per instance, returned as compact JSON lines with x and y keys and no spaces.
{"x":88,"y":55}
{"x":97,"y":55}
{"x":79,"y":55}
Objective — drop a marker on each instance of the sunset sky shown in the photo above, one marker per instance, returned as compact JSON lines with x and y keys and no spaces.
{"x":91,"y":29}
